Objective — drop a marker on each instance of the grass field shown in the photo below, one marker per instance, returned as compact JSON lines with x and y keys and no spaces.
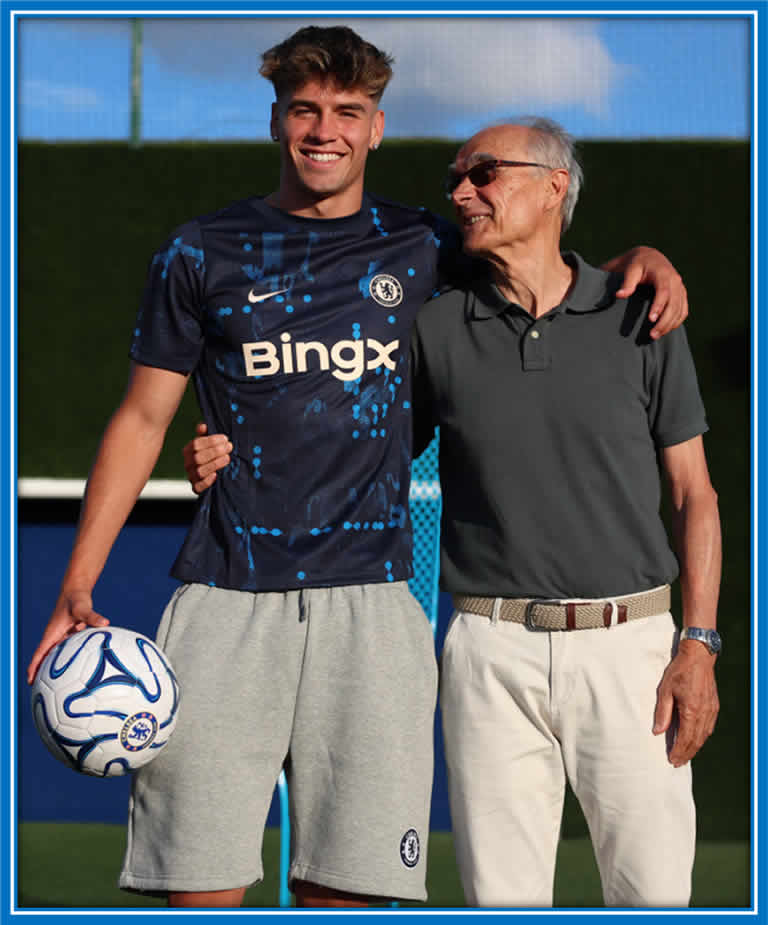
{"x":45,"y":879}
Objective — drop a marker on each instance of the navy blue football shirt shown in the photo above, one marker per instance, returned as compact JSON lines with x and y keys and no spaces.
{"x":297,"y":334}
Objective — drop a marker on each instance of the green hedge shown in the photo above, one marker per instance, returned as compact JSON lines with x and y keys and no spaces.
{"x":90,"y":216}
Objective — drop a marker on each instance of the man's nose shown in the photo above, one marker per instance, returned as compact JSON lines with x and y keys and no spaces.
{"x":463,"y":191}
{"x":324,"y":126}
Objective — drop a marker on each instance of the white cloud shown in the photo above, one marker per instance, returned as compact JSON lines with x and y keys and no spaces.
{"x":502,"y":62}
{"x":48,"y":94}
{"x":469,"y":68}
{"x":447,"y":70}
{"x":603,"y":76}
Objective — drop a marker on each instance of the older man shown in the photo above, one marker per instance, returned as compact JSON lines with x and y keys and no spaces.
{"x":562,"y":661}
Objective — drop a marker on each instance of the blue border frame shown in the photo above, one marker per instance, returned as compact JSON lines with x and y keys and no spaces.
{"x":758,"y":10}
{"x":7,"y":447}
{"x":760,"y":227}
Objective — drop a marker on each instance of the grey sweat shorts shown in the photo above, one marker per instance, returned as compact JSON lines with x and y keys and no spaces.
{"x":336,"y":684}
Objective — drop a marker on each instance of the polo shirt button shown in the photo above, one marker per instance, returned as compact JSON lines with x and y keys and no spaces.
{"x":535,"y":335}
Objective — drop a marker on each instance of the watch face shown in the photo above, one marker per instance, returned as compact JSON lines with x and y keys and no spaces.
{"x":710,"y":638}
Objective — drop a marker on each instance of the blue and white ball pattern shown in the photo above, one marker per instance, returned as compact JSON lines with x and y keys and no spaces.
{"x":105,"y":701}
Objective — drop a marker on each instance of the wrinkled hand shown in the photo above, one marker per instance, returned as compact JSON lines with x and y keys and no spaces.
{"x":204,"y":456}
{"x":688,"y":686}
{"x":646,"y":265}
{"x":73,"y":612}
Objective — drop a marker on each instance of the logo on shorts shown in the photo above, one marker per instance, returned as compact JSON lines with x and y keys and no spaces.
{"x":138,"y":731}
{"x":386,"y":290}
{"x":410,"y":850}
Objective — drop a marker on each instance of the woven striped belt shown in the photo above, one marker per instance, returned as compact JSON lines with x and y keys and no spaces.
{"x":550,"y":614}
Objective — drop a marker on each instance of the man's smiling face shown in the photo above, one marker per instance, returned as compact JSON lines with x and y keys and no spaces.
{"x":325,"y":133}
{"x":512,"y":202}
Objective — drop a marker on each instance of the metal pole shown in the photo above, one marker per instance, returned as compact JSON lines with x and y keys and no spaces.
{"x":136,"y":49}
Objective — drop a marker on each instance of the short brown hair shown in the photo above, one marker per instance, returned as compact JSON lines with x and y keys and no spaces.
{"x":329,"y":53}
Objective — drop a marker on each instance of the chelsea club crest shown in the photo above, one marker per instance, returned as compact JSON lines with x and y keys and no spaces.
{"x":138,"y":731}
{"x":410,"y":849}
{"x":386,"y":290}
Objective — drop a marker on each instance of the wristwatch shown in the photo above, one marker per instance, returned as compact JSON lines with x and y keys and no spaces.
{"x":710,"y":638}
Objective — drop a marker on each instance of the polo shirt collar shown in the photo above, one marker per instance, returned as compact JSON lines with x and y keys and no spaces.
{"x":592,"y":291}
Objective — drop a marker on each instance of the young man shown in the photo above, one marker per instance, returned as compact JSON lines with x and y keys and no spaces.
{"x":293,"y":314}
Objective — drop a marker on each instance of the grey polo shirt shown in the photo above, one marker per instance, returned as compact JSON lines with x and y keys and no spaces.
{"x":549,"y":432}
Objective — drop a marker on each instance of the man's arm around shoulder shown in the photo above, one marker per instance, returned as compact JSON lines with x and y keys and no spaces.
{"x":127,"y":454}
{"x":689,"y":683}
{"x":646,"y":265}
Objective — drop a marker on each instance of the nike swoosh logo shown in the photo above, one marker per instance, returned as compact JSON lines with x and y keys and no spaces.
{"x":252,"y":297}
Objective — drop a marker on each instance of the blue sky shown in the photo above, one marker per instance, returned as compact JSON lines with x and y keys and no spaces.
{"x":612,"y":76}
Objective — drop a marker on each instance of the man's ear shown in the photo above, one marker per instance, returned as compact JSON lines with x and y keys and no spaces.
{"x":557,"y":188}
{"x":559,"y":179}
{"x":377,"y":132}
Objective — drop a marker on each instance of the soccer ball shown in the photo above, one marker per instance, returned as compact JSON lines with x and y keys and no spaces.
{"x":105,"y":701}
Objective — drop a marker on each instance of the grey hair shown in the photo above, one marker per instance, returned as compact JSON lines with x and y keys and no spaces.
{"x":551,"y":144}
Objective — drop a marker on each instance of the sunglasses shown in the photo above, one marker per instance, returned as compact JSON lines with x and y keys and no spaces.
{"x":483,"y":173}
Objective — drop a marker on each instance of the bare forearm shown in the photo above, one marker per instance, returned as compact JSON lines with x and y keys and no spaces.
{"x":699,"y":549}
{"x":688,"y":685}
{"x":127,"y":454}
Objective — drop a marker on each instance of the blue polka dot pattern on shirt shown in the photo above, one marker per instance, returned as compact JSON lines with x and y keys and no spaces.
{"x":302,"y":417}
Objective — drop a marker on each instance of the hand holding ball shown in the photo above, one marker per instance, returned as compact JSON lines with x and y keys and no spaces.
{"x":105,"y":701}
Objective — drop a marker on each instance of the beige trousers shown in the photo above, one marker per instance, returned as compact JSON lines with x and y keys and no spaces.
{"x":522,"y":712}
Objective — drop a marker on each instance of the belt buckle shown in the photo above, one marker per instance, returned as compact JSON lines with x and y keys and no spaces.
{"x":529,"y":622}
